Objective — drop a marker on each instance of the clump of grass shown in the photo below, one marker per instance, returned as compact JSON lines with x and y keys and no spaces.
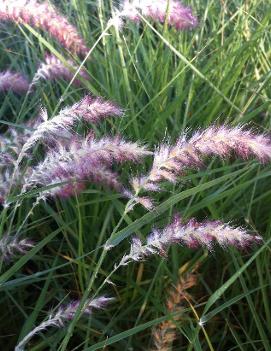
{"x":213,"y":77}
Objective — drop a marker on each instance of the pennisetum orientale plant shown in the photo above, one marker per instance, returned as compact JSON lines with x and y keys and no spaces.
{"x":70,"y":160}
{"x":45,"y":16}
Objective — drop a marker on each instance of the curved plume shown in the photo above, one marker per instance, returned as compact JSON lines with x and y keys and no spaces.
{"x":14,"y":81}
{"x":91,"y":109}
{"x":177,"y":15}
{"x":63,"y":315}
{"x":11,"y":246}
{"x":84,"y":160}
{"x":192,"y":234}
{"x":172,"y":161}
{"x":46,"y":17}
{"x":52,"y":69}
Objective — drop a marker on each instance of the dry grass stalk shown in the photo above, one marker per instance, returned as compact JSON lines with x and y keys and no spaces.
{"x":165,"y":333}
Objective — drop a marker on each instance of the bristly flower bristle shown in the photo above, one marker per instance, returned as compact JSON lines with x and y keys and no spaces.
{"x":177,"y":15}
{"x":172,"y":161}
{"x":13,"y":81}
{"x":84,"y":160}
{"x":53,"y":69}
{"x":11,"y":246}
{"x":65,"y":314}
{"x":192,"y":234}
{"x":91,"y":109}
{"x":44,"y":16}
{"x":11,"y":144}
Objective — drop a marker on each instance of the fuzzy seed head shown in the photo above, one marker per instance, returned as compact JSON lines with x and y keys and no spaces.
{"x":91,"y":109}
{"x":53,"y":69}
{"x":44,"y":16}
{"x":170,"y":162}
{"x":192,"y":234}
{"x":177,"y":15}
{"x":11,"y":246}
{"x":63,"y":315}
{"x":13,"y":81}
{"x":84,"y":160}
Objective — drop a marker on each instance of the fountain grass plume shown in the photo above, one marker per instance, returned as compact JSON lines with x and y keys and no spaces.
{"x":172,"y":161}
{"x":82,"y":160}
{"x":177,"y":15}
{"x":53,"y":69}
{"x":11,"y":247}
{"x":44,"y":15}
{"x":164,"y":334}
{"x":63,"y":315}
{"x":192,"y":234}
{"x":13,"y":81}
{"x":90,"y":109}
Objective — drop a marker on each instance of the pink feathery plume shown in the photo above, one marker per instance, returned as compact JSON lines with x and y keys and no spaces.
{"x":84,"y":160}
{"x":171,"y":161}
{"x":10,"y":247}
{"x":11,"y":144}
{"x":70,"y":176}
{"x":91,"y":109}
{"x":12,"y":141}
{"x":46,"y":17}
{"x":63,"y":315}
{"x":179,"y":16}
{"x":13,"y":81}
{"x":5,"y":182}
{"x":105,"y":150}
{"x":192,"y":234}
{"x":54,"y":69}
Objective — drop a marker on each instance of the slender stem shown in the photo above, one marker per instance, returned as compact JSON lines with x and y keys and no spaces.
{"x":91,"y":282}
{"x":201,"y":326}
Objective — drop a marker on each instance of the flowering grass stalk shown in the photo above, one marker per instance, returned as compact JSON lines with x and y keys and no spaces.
{"x":63,"y":315}
{"x":172,"y":161}
{"x":177,"y":15}
{"x":53,"y":69}
{"x":13,"y":81}
{"x":84,"y":159}
{"x":45,"y":16}
{"x":11,"y":246}
{"x":192,"y":234}
{"x":90,"y":109}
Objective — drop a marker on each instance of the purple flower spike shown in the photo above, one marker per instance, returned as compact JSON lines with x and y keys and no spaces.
{"x":90,"y":109}
{"x":44,"y":16}
{"x":178,"y":15}
{"x":10,"y":247}
{"x":84,"y":160}
{"x":53,"y":69}
{"x":63,"y":315}
{"x":13,"y":81}
{"x":171,"y":161}
{"x":95,"y":109}
{"x":192,"y":234}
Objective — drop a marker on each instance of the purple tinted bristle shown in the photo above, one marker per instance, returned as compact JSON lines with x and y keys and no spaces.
{"x":170,"y":162}
{"x":193,"y":234}
{"x":177,"y":15}
{"x":46,"y":17}
{"x":53,"y":69}
{"x":11,"y":246}
{"x":13,"y":81}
